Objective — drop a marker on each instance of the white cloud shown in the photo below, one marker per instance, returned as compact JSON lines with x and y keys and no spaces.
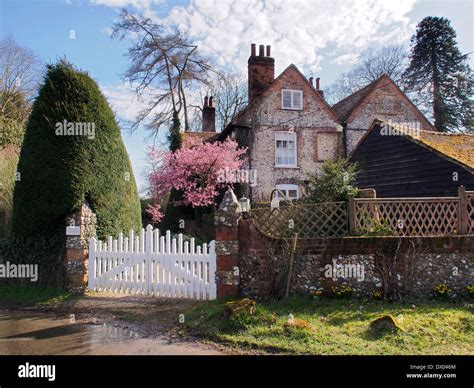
{"x":300,"y":32}
{"x":107,"y":30}
{"x":345,"y":59}
{"x":122,"y":99}
{"x":138,"y":4}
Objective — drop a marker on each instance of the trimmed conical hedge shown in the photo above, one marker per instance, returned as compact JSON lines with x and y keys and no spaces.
{"x":62,"y":164}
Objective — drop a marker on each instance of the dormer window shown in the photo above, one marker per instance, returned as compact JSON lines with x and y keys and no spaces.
{"x":292,"y":99}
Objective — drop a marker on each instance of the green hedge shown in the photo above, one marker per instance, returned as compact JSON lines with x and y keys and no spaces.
{"x":59,"y":173}
{"x":46,"y":252}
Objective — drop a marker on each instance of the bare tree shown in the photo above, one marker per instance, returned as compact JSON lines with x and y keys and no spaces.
{"x":399,"y":268}
{"x":230,"y":92}
{"x":230,"y":95}
{"x":19,"y":76}
{"x":390,"y":60}
{"x":164,"y":64}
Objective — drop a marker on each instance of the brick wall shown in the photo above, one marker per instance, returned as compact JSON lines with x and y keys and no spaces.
{"x":437,"y":260}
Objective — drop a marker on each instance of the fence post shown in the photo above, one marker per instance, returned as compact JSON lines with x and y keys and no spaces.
{"x":463,"y":215}
{"x":227,"y":246}
{"x":351,"y":210}
{"x":91,"y":268}
{"x":148,"y":250}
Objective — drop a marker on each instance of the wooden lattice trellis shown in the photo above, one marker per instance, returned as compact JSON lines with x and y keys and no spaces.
{"x":470,"y":212}
{"x":408,"y":216}
{"x":308,"y":220}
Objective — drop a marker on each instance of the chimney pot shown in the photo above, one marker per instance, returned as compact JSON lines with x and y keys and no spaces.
{"x":311,"y":80}
{"x":253,"y":49}
{"x":261,"y":70}
{"x":208,"y":115}
{"x":317,"y":83}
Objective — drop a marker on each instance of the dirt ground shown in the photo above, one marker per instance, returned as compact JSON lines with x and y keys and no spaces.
{"x":154,"y":323}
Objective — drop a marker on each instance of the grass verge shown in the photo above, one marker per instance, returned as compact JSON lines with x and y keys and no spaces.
{"x":339,"y":327}
{"x":16,"y":296}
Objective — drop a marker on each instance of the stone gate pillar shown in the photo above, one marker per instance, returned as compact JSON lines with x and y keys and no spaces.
{"x":80,"y":226}
{"x":227,"y":246}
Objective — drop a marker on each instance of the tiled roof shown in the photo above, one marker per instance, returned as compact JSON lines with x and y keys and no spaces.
{"x":197,"y":136}
{"x":346,"y":106}
{"x":458,"y":147}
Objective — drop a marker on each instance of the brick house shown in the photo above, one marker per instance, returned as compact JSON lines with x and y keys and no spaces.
{"x":381,"y":99}
{"x":290,"y":130}
{"x":287,"y":125}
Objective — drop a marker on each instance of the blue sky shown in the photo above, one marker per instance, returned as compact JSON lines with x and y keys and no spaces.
{"x":323,"y":38}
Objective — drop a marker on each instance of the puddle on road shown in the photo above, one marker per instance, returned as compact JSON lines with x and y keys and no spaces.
{"x":33,"y":334}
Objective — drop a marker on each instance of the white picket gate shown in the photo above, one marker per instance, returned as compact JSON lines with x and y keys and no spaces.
{"x":153,"y":264}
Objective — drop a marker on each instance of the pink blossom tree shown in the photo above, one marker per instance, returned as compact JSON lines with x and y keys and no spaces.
{"x":197,"y":170}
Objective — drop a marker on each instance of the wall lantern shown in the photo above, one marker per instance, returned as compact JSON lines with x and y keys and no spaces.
{"x":244,"y":205}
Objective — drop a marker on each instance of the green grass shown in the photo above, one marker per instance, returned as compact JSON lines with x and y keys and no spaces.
{"x":340,"y":327}
{"x":22,"y":296}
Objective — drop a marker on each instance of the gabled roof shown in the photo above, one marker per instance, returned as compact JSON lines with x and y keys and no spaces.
{"x":292,"y":66}
{"x":197,"y":135}
{"x":234,"y":123}
{"x":455,"y":147}
{"x":347,"y":106}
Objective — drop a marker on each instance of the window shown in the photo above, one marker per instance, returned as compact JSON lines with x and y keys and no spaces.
{"x":285,"y":149}
{"x":292,"y":99}
{"x":290,"y":191}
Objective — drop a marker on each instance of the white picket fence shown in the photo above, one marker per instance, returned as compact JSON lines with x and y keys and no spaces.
{"x":153,"y":264}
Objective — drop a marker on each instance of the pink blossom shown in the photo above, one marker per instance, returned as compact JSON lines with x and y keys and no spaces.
{"x":195,"y":171}
{"x":155,"y":212}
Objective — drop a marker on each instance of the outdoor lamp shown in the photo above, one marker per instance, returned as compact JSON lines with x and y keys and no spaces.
{"x":244,"y":205}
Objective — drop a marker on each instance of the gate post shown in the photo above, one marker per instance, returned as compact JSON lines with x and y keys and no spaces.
{"x":227,"y":246}
{"x":80,"y":227}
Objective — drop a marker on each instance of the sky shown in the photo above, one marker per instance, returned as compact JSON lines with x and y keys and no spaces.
{"x":322,"y":37}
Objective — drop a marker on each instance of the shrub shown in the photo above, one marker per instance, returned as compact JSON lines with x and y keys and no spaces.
{"x":8,"y":163}
{"x":60,"y":172}
{"x":334,"y":183}
{"x":375,"y":228}
{"x":45,"y":251}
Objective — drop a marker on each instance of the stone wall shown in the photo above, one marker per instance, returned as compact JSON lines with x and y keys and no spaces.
{"x":77,"y":248}
{"x":434,"y":260}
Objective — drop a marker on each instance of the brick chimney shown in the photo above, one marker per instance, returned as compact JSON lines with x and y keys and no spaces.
{"x":208,"y":115}
{"x":261,"y":69}
{"x":318,"y":89}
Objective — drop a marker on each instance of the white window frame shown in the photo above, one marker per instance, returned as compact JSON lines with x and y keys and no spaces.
{"x":293,"y":92}
{"x":285,"y":189}
{"x":282,"y":136}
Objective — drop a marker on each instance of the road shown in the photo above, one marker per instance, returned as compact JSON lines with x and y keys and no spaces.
{"x":34,"y":333}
